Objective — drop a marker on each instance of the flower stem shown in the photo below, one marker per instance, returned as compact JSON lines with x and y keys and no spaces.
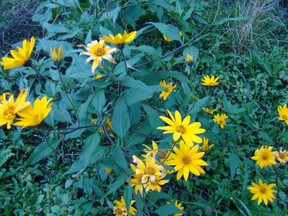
{"x":68,"y":97}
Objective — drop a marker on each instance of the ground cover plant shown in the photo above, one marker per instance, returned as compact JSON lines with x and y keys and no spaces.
{"x":146,"y":108}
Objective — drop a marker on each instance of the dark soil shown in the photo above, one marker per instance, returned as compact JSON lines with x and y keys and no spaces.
{"x":16,"y":24}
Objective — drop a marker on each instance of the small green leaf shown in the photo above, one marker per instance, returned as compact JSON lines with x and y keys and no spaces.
{"x":234,"y":162}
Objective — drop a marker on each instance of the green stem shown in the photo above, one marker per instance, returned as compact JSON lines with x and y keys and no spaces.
{"x":69,"y":99}
{"x":124,"y":59}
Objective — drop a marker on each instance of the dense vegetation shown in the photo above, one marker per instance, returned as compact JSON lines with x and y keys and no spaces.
{"x":145,"y":108}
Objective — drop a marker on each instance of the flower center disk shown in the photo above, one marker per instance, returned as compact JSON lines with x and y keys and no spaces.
{"x":180,"y":129}
{"x":99,"y":52}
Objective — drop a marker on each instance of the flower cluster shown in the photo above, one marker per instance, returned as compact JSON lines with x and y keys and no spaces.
{"x":22,"y":110}
{"x":149,"y":173}
{"x":98,"y":50}
{"x":265,"y":157}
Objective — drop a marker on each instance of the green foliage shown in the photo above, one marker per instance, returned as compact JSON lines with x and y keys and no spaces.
{"x":77,"y":161}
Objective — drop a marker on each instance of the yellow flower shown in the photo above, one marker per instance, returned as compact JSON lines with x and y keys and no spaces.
{"x":205,"y":147}
{"x":119,"y":39}
{"x":264,"y":156}
{"x":107,"y":170}
{"x":179,"y":206}
{"x":186,"y":160}
{"x":9,"y":108}
{"x":57,"y":53}
{"x":181,"y":128}
{"x":281,"y":156}
{"x":121,"y":210}
{"x":209,"y":111}
{"x":166,"y":38}
{"x":149,"y":167}
{"x":19,"y":56}
{"x":168,"y":88}
{"x":97,"y":51}
{"x":136,"y":180}
{"x":151,"y":151}
{"x":262,"y":192}
{"x":220,"y":119}
{"x":207,"y":81}
{"x":32,"y":116}
{"x":189,"y":59}
{"x":98,"y":76}
{"x":283,"y":113}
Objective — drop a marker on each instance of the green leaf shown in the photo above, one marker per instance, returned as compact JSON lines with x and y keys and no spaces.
{"x":120,"y":118}
{"x":42,"y":150}
{"x":169,"y":30}
{"x":99,"y":100}
{"x":116,"y":184}
{"x":234,"y":162}
{"x":153,"y":116}
{"x":168,"y":209}
{"x":198,"y":106}
{"x":265,"y":136}
{"x":224,"y":20}
{"x":112,"y":14}
{"x":91,"y":153}
{"x":119,"y":157}
{"x":128,"y":196}
{"x":244,"y":206}
{"x":135,"y":95}
{"x":82,"y":110}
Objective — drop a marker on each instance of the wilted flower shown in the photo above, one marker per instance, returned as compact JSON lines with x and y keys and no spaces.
{"x":209,"y":111}
{"x":281,"y":156}
{"x":220,"y":119}
{"x":168,"y":88}
{"x":205,"y":146}
{"x":189,"y":59}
